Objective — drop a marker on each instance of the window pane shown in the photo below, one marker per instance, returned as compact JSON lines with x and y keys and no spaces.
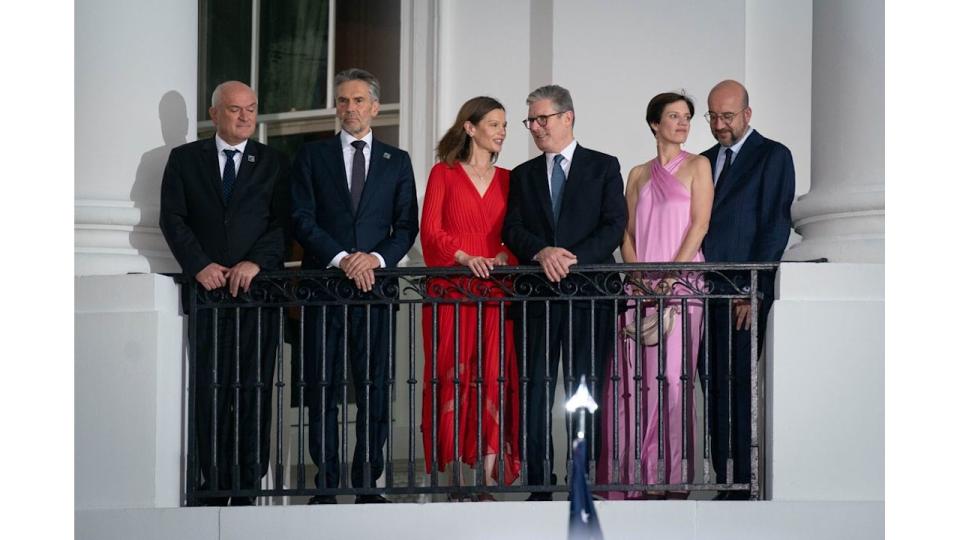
{"x":290,"y":144}
{"x":293,"y":55}
{"x":224,"y":47}
{"x":368,"y":37}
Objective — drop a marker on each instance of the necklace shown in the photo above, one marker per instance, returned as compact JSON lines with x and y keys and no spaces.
{"x":481,"y":176}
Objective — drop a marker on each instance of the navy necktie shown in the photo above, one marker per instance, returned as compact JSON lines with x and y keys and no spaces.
{"x":557,"y":179}
{"x":229,"y":173}
{"x":727,"y":163}
{"x":357,"y":174}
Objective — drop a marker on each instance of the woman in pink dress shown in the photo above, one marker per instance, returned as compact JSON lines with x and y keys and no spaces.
{"x":669,"y":199}
{"x":463,"y":211}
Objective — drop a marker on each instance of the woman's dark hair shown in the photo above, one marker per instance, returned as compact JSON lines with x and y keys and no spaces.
{"x":659,"y":103}
{"x":455,"y":144}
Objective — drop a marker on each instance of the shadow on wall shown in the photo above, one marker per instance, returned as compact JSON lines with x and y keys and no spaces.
{"x":145,"y":193}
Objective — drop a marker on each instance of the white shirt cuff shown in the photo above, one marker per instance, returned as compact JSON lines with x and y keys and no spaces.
{"x":335,"y":263}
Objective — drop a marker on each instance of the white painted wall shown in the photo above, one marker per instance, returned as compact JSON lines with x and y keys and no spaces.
{"x":136,"y":84}
{"x":825,"y":383}
{"x":614,"y":56}
{"x":662,"y":520}
{"x":128,"y":339}
{"x":484,"y":49}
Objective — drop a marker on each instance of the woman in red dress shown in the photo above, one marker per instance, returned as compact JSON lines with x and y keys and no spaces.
{"x":463,"y":212}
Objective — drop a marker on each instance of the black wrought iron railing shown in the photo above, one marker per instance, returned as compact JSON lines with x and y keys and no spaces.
{"x":261,"y":419}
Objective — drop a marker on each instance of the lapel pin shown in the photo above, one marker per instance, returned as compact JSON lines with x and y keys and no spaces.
{"x":386,"y":155}
{"x":251,"y":159}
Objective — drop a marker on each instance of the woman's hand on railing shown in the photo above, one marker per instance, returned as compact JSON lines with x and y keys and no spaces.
{"x":480,"y":266}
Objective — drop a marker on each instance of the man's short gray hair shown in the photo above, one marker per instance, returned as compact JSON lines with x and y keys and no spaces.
{"x":558,"y":95}
{"x":357,"y":74}
{"x":218,"y":91}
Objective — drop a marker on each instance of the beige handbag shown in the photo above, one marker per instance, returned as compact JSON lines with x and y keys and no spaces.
{"x":648,"y":327}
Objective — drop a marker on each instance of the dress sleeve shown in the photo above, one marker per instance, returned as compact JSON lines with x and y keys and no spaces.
{"x":439,"y":246}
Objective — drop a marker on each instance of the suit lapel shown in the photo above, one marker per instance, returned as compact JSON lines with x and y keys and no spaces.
{"x":211,"y":168}
{"x":379,"y":159}
{"x":248,"y":167}
{"x":575,"y":177}
{"x":743,"y":162}
{"x":541,"y":187}
{"x":333,"y":155}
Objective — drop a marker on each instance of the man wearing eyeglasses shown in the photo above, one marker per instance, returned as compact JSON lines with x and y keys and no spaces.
{"x":565,"y":207}
{"x":750,"y":222}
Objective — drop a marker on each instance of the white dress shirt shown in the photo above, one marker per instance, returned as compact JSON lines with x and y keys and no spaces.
{"x":722,"y":155}
{"x":222,"y":158}
{"x":346,"y":144}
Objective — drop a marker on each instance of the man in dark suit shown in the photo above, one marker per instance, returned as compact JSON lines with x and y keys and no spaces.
{"x":223,"y":210}
{"x":565,"y":207}
{"x":354,"y":208}
{"x":754,"y":179}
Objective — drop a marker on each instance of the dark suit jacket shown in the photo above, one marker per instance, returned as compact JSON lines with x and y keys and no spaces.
{"x":593,"y":213}
{"x":323,"y":218}
{"x":751,"y":205}
{"x":200,"y":228}
{"x":750,"y":221}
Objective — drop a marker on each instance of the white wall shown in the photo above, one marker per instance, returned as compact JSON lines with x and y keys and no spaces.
{"x":825,"y":383}
{"x":136,"y":81}
{"x":614,"y":56}
{"x":128,"y":345}
{"x":484,"y":49}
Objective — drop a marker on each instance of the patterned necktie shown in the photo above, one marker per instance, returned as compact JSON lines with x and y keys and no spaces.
{"x":727,"y":163}
{"x":557,"y":179}
{"x":229,"y":173}
{"x":357,"y":174}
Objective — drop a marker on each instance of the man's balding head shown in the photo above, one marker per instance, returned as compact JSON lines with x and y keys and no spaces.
{"x":729,"y":112}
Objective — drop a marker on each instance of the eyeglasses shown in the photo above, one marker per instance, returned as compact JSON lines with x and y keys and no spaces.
{"x":541,"y":120}
{"x":727,"y":117}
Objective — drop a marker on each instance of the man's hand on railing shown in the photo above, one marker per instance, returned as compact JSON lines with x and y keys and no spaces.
{"x":741,"y":310}
{"x":556,"y":262}
{"x":241,"y":275}
{"x":359,"y":267}
{"x":213,"y":276}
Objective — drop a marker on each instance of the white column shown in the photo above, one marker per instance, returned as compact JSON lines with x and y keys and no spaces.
{"x":136,"y":85}
{"x":842,"y":217}
{"x":136,"y":73}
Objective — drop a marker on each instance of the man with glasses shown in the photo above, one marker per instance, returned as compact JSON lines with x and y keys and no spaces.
{"x":750,"y":222}
{"x":565,"y":207}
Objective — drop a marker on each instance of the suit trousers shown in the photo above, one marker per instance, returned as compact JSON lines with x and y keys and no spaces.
{"x":727,"y":352}
{"x":585,"y":348}
{"x":233,"y":377}
{"x":332,"y":343}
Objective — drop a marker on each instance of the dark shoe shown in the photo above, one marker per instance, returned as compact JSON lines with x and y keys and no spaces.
{"x":241,"y":501}
{"x":322,"y":499}
{"x":541,"y":496}
{"x":738,"y":495}
{"x":677,"y":495}
{"x":213,"y":501}
{"x":484,"y":496}
{"x":371,"y":499}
